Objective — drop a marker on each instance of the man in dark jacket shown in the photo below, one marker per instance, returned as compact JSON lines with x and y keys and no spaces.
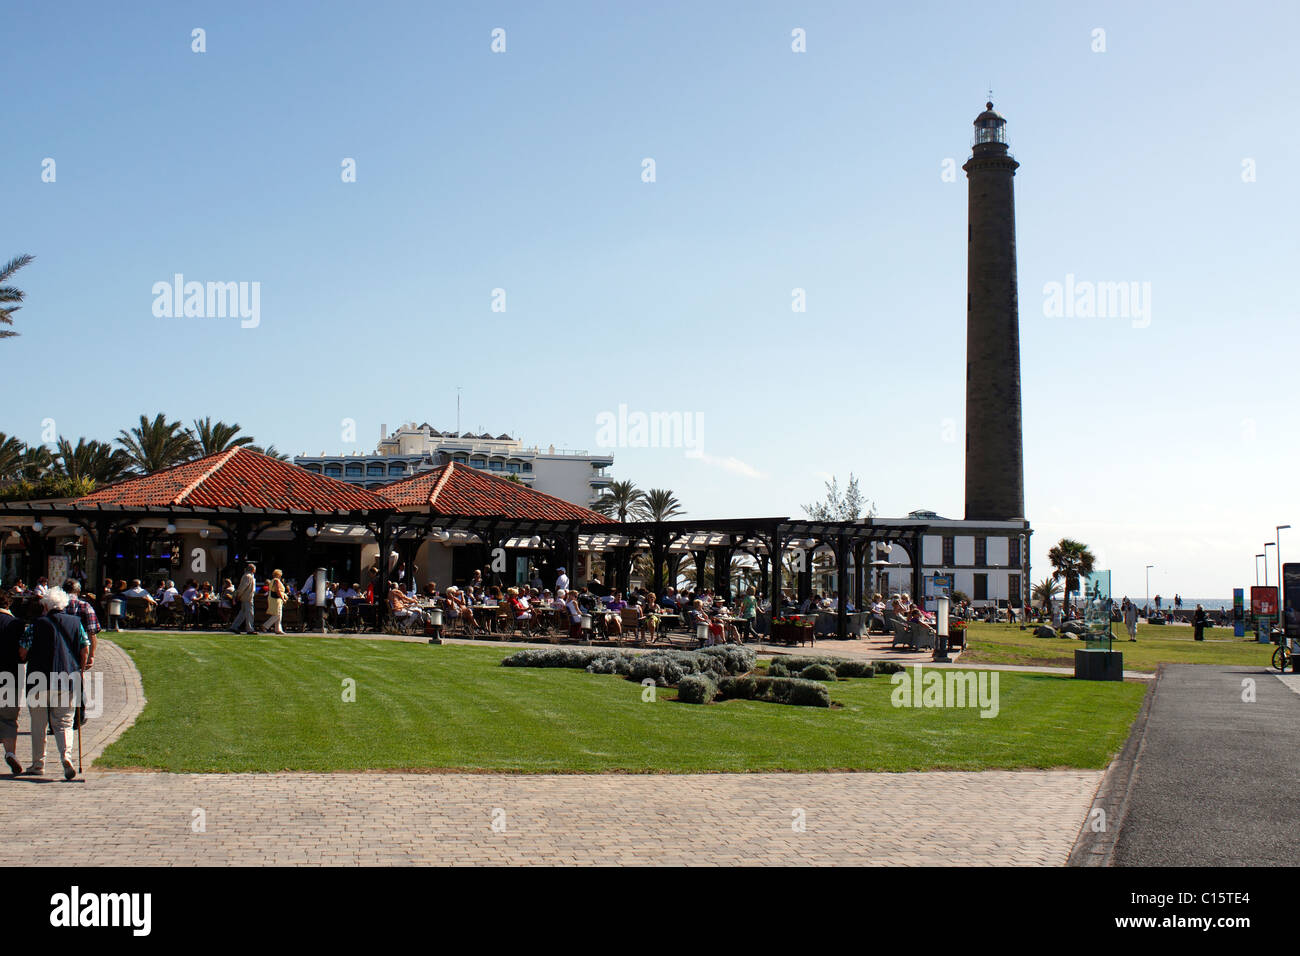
{"x":13,"y":651}
{"x":55,"y":660}
{"x":1198,"y":623}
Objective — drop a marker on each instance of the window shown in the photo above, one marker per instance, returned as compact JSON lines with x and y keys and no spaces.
{"x":375,"y":468}
{"x":1014,"y":597}
{"x":397,"y":469}
{"x":459,"y":459}
{"x":981,"y":588}
{"x":512,"y":467}
{"x":313,"y":467}
{"x":355,"y":471}
{"x":528,"y":468}
{"x":981,"y":552}
{"x":334,"y":471}
{"x":949,"y":552}
{"x":496,"y":466}
{"x":1013,"y":552}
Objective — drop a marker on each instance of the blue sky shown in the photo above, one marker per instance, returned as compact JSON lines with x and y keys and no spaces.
{"x":1165,"y":444}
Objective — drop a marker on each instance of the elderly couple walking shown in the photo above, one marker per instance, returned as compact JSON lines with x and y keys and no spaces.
{"x":55,"y":648}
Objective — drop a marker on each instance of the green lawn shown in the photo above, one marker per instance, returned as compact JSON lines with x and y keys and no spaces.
{"x":1156,"y":644}
{"x":226,"y":703}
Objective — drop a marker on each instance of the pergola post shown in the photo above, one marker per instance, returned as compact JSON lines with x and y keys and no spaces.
{"x":775,"y":549}
{"x":385,"y":541}
{"x":859,"y":550}
{"x":917,"y":572}
{"x":658,"y":553}
{"x":722,"y":570}
{"x":806,"y":574}
{"x":842,"y":577}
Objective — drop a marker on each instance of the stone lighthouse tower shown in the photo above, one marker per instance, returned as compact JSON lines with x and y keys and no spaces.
{"x":995,"y":471}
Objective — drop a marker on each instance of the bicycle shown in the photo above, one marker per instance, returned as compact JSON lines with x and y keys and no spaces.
{"x":1282,"y":657}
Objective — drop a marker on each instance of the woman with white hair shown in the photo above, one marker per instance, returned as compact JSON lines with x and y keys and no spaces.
{"x":55,"y":660}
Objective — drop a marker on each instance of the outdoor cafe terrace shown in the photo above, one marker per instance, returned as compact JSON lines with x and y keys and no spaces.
{"x":238,"y":502}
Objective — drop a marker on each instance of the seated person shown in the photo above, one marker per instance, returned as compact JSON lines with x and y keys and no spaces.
{"x":403,"y":608}
{"x":138,"y":592}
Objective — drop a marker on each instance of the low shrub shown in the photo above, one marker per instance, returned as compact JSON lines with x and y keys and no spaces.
{"x":666,"y":668}
{"x":843,"y":667}
{"x":577,"y":657}
{"x":775,"y":690}
{"x":615,"y":663}
{"x":696,"y":689}
{"x":777,"y":669}
{"x":736,"y":659}
{"x":817,"y":672}
{"x":888,"y":667}
{"x":855,"y":669}
{"x":808,"y":693}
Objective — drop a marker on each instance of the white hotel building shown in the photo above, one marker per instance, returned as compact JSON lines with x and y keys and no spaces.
{"x":987,"y":560}
{"x":570,"y":474}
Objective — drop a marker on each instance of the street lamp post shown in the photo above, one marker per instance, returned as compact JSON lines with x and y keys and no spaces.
{"x":1257,"y":557}
{"x":1279,"y":530}
{"x":1148,"y":600}
{"x":1267,"y":545}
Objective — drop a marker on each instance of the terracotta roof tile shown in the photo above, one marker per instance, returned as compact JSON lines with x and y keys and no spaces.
{"x":238,"y":477}
{"x":453,"y":489}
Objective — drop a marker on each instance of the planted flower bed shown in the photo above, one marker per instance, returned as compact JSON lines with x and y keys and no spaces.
{"x":722,"y":672}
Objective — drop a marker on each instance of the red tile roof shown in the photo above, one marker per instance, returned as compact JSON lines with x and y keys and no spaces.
{"x":453,"y":489}
{"x":238,"y":477}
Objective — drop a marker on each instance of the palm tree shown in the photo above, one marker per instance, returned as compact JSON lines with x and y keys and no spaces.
{"x":35,"y":463}
{"x":1070,"y":561}
{"x":154,"y":445}
{"x":620,"y":499}
{"x":94,"y":460}
{"x":10,"y":294}
{"x":11,"y":457}
{"x":1044,"y":592}
{"x":212,"y":437}
{"x":659,"y":504}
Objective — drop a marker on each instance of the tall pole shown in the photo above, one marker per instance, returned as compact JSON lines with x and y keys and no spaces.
{"x":1267,"y":545}
{"x":1148,"y":601}
{"x":1257,"y":557}
{"x":1278,"y":542}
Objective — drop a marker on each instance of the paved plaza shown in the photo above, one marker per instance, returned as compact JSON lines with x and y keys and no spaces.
{"x":908,"y":819}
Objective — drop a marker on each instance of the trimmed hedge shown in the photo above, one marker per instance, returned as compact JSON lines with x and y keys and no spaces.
{"x":889,"y":667}
{"x":697,"y":689}
{"x":775,"y":690}
{"x":817,"y":672}
{"x":842,"y":667}
{"x":576,"y":657}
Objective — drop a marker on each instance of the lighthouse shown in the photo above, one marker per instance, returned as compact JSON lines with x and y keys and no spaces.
{"x":995,"y":471}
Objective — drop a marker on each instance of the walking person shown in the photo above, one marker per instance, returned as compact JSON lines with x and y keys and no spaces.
{"x":55,"y":661}
{"x":85,"y":613}
{"x":1198,"y":623}
{"x":244,"y":598}
{"x":1129,"y":611}
{"x":13,"y":651}
{"x":275,"y":598}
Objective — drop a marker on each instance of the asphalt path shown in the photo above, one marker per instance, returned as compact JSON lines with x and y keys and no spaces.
{"x":1217,"y":779}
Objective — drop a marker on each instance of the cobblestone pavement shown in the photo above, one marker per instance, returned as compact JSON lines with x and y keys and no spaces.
{"x":123,"y":818}
{"x":907,"y":819}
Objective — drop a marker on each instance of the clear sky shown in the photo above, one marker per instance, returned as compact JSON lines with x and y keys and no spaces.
{"x":1162,"y":439}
